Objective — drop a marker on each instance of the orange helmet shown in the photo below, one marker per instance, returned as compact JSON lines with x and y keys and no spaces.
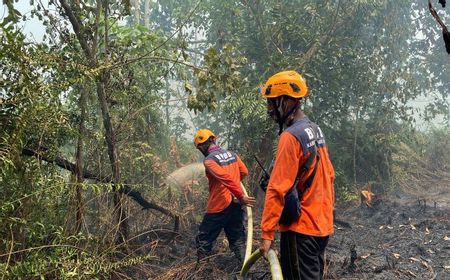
{"x":202,"y":135}
{"x":288,"y":83}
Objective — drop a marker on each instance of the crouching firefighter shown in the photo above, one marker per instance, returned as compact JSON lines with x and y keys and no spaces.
{"x":224,"y":170}
{"x":299,"y":198}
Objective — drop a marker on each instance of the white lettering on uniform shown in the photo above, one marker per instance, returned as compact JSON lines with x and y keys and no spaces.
{"x":320,"y":132}
{"x":224,"y":157}
{"x":310,"y":133}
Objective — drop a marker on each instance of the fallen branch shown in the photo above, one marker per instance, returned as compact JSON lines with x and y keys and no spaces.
{"x":445,"y":32}
{"x":125,"y":189}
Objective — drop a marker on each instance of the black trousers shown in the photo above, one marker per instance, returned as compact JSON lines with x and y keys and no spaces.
{"x":231,"y":221}
{"x":302,"y":256}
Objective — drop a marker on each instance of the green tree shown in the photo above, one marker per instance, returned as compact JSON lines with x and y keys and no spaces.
{"x":360,"y":60}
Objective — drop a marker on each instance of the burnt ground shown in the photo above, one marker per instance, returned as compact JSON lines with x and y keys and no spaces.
{"x":391,"y":240}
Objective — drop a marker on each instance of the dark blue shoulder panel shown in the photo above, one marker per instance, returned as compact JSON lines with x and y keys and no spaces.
{"x":307,"y":133}
{"x":222,"y":157}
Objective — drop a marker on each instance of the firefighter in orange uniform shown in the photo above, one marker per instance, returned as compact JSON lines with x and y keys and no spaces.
{"x":224,"y":170}
{"x":302,"y":162}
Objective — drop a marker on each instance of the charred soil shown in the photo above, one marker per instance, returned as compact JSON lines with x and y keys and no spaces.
{"x":389,"y":240}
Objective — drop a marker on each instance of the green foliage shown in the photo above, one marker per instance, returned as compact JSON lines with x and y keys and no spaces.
{"x":347,"y":192}
{"x":222,"y":78}
{"x":63,"y":258}
{"x":41,"y":87}
{"x":362,"y":62}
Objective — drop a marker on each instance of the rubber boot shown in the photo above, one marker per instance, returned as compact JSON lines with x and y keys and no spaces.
{"x":239,"y":253}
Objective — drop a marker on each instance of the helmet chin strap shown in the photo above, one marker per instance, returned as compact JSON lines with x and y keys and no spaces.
{"x":281,"y":116}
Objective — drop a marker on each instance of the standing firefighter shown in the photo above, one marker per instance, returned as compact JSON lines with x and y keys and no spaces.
{"x":224,"y":170}
{"x":300,"y":195}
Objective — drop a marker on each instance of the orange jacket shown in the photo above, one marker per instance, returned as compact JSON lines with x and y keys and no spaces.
{"x":224,"y":170}
{"x":317,"y":202}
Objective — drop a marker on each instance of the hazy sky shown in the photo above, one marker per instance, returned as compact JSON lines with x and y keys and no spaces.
{"x":33,"y":27}
{"x":35,"y":30}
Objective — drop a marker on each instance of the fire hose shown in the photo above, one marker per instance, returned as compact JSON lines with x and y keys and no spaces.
{"x":248,"y":246}
{"x":250,"y":258}
{"x":274,"y":264}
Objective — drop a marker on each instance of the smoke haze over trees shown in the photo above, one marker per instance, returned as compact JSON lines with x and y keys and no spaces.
{"x":97,"y":114}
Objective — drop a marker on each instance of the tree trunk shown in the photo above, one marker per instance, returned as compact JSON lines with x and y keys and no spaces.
{"x":355,"y":138}
{"x":79,"y":161}
{"x":110,"y":136}
{"x":147,"y":13}
{"x":89,"y":50}
{"x":137,"y":11}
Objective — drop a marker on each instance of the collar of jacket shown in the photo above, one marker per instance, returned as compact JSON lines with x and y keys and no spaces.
{"x":213,"y":148}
